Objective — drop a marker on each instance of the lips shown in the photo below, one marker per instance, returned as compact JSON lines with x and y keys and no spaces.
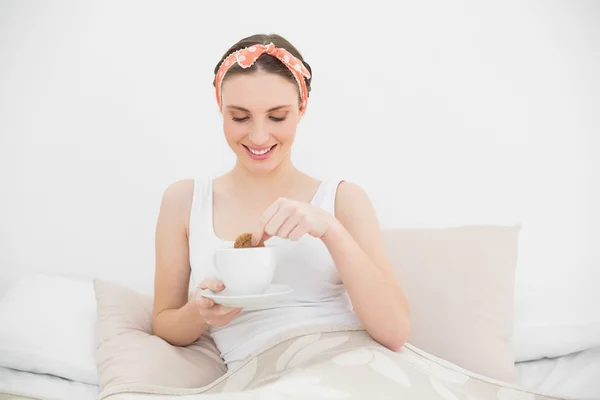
{"x":261,"y":153}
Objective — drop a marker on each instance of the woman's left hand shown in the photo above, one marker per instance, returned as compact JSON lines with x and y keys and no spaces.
{"x":291,"y":219}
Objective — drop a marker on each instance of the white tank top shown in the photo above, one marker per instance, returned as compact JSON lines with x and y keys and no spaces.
{"x":319,"y":296}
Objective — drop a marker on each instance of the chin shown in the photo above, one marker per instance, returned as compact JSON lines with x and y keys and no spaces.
{"x":261,"y":167}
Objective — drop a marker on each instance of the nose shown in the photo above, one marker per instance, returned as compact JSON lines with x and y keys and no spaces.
{"x":258,"y":135}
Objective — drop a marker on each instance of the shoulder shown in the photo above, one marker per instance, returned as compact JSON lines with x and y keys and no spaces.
{"x":348,"y":189}
{"x":358,"y":216}
{"x":179,"y":191}
{"x":350,"y":200}
{"x":177,"y":198}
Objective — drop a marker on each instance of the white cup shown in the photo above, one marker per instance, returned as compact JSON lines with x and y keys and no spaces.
{"x":245,"y":271}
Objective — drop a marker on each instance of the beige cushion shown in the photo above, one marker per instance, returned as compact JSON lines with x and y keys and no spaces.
{"x":459,"y":283}
{"x":128,"y":352}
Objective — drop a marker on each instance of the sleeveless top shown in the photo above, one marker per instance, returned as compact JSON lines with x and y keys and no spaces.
{"x":319,"y":296}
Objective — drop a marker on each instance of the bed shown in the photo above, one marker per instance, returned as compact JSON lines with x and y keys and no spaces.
{"x":573,"y":376}
{"x":43,"y":386}
{"x":96,"y":334}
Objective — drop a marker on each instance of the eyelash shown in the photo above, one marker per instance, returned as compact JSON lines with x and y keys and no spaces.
{"x":274,"y":119}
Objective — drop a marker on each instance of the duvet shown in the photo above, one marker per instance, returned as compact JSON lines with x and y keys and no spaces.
{"x":336,"y":363}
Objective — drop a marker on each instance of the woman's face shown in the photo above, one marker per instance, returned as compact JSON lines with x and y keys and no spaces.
{"x":260,"y":116}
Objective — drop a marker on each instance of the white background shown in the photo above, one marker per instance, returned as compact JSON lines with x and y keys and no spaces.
{"x":447,"y":113}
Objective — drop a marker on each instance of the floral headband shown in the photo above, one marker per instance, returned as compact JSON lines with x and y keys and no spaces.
{"x":246,"y":57}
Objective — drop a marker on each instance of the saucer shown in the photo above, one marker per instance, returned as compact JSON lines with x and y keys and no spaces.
{"x":272,"y":295}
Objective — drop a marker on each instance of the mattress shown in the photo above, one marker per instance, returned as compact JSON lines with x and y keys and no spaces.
{"x":40,"y":386}
{"x":574,"y":376}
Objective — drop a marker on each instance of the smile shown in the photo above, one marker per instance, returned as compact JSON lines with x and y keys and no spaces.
{"x":259,"y":153}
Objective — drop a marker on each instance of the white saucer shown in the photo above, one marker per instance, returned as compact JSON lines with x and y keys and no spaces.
{"x":272,"y":295}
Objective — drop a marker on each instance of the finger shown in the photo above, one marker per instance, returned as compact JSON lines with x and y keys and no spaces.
{"x":288,"y":226}
{"x":299,"y":231}
{"x":285,"y":211}
{"x":212,"y":284}
{"x":276,"y":222}
{"x":204,"y":302}
{"x":264,"y":220}
{"x":232,"y":315}
{"x":227,"y":318}
{"x":221,"y":311}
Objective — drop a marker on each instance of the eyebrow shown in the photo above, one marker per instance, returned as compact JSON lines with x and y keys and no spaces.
{"x":269,"y":110}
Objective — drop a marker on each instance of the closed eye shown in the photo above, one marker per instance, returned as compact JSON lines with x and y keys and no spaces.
{"x":272,"y":118}
{"x":280,"y":116}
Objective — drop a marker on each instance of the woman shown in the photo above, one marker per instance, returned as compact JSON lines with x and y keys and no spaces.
{"x":262,"y":85}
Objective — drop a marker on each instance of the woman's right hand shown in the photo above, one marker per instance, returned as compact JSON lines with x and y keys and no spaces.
{"x":214,"y":314}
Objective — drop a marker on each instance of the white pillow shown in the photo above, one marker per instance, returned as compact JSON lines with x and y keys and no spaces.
{"x":552,"y":322}
{"x":557,"y":301}
{"x":48,"y":326}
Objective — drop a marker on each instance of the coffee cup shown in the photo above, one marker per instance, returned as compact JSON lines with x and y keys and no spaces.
{"x":245,"y":271}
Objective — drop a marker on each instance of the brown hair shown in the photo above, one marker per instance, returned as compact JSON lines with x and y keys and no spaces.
{"x":265,"y":62}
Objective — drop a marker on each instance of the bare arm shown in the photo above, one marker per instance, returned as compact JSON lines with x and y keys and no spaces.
{"x":174,"y":318}
{"x":353,"y":238}
{"x":356,"y":246}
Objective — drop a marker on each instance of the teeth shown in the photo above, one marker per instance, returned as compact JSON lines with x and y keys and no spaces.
{"x":261,"y":152}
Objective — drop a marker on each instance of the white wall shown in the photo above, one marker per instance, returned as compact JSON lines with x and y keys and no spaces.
{"x":448,"y":113}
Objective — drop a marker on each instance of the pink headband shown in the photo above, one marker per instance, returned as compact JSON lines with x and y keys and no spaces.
{"x":246,"y":57}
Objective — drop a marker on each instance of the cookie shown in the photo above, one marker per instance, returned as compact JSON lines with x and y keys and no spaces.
{"x":245,"y":240}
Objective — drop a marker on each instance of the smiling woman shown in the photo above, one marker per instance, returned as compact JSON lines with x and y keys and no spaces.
{"x":335,"y":264}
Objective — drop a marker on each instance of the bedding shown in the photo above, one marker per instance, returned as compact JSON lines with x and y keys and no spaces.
{"x":460,"y":281}
{"x":128,"y":352}
{"x":549,"y":326}
{"x":49,"y":327}
{"x":556,"y":289}
{"x":573,"y":376}
{"x":41,"y":386}
{"x":333,"y":362}
{"x":6,"y":396}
